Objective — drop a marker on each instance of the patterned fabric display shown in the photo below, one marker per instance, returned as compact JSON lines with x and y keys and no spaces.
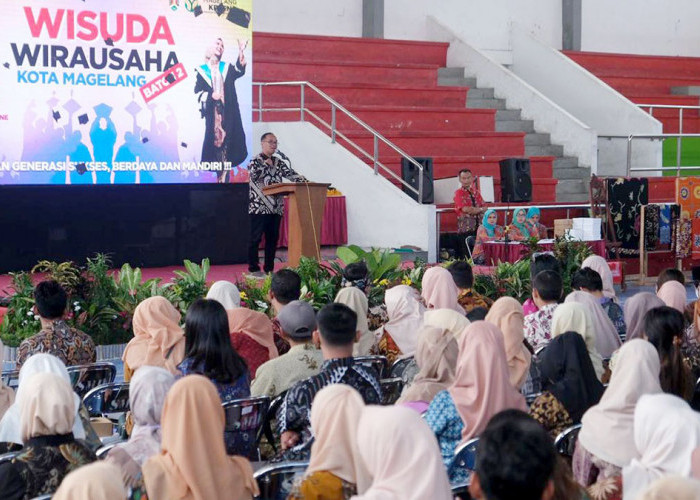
{"x":684,"y":238}
{"x":651,"y":226}
{"x":625,"y":198}
{"x":688,"y":197}
{"x":696,"y":238}
{"x":665,"y":225}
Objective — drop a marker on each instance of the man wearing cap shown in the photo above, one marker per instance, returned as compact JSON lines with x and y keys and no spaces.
{"x":303,"y":360}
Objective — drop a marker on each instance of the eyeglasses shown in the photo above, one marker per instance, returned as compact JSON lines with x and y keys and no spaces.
{"x":274,"y":143}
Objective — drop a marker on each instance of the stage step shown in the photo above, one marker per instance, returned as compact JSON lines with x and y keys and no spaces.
{"x":515,"y":126}
{"x":637,"y":65}
{"x":546,"y":150}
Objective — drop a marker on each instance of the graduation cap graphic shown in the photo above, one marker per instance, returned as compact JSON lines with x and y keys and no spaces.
{"x":239,"y":17}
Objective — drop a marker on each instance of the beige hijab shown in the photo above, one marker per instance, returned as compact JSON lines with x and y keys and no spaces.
{"x":608,"y":427}
{"x":158,"y":339}
{"x":193,"y":464}
{"x":439,"y":290}
{"x":255,"y":325}
{"x":482,"y":385}
{"x":507,"y":314}
{"x":607,"y":339}
{"x":7,"y":395}
{"x":600,"y":265}
{"x":405,"y":313}
{"x":446,"y":319}
{"x":635,"y":308}
{"x":436,"y":357}
{"x":571,"y":317}
{"x":356,"y":300}
{"x":226,"y":294}
{"x":403,"y":455}
{"x":46,"y":406}
{"x":674,"y":295}
{"x":335,"y":413}
{"x":672,"y":488}
{"x":96,"y":481}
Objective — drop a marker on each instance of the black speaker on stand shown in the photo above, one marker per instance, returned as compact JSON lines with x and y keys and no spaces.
{"x":516,"y":183}
{"x":411,"y":175}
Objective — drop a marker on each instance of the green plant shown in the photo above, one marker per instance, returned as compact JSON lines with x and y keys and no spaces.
{"x":381,"y":264}
{"x":255,"y":293}
{"x":571,"y":254}
{"x":319,"y":284}
{"x":20,"y":322}
{"x":67,"y":274}
{"x":189,"y":285}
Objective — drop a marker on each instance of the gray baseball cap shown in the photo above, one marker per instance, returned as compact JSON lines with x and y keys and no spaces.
{"x":297,"y":319}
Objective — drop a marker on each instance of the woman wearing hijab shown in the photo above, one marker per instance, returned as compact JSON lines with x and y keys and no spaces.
{"x":226,"y":294}
{"x":158,"y":339}
{"x":691,"y":341}
{"x":147,"y":391}
{"x":572,"y":317}
{"x":440,"y":291}
{"x":47,"y":413}
{"x":600,"y":265}
{"x":674,"y":295}
{"x":7,"y":395}
{"x":518,"y":230}
{"x":489,"y":230}
{"x":356,"y":300}
{"x":607,"y":339}
{"x":569,"y":384}
{"x":635,"y":309}
{"x":606,"y":440}
{"x":507,"y":314}
{"x":481,"y":388}
{"x":400,"y":451}
{"x":193,"y":464}
{"x":252,"y":337}
{"x":97,"y":481}
{"x":533,"y":223}
{"x":436,"y":357}
{"x":335,"y":471}
{"x":446,"y":319}
{"x":398,"y":337}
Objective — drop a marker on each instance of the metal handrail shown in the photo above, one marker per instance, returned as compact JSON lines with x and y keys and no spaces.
{"x":631,"y":137}
{"x":336,"y":106}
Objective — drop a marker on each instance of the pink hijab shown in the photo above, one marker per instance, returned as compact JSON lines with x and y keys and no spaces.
{"x":673,"y":294}
{"x":255,"y":325}
{"x":635,"y":308}
{"x":482,"y":385}
{"x":507,"y":314}
{"x":440,"y":291}
{"x":600,"y":265}
{"x":607,"y":340}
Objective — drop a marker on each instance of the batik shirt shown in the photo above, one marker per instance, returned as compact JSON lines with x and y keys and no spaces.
{"x":470,"y":300}
{"x":261,"y":174}
{"x":71,"y":346}
{"x":444,"y":420}
{"x":279,"y":374}
{"x":616,"y":315}
{"x":538,"y":326}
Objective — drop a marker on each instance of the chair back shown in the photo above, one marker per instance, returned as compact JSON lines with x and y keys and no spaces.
{"x":108,"y":400}
{"x":43,"y":497}
{"x":86,"y":377}
{"x":275,"y":480}
{"x":566,"y":440}
{"x":271,"y":415}
{"x":103,"y":450}
{"x":6,"y":457}
{"x":245,"y":420}
{"x":378,"y":363}
{"x":391,"y":390}
{"x":461,"y":491}
{"x":11,"y":378}
{"x":530,"y":398}
{"x":406,"y":368}
{"x":465,"y":455}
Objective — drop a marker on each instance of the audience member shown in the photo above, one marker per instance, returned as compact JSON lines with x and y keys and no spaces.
{"x":600,"y":265}
{"x":337,"y":332}
{"x":477,"y":314}
{"x":489,"y":230}
{"x":446,"y":319}
{"x":606,"y":440}
{"x":193,"y":463}
{"x":356,"y":300}
{"x":588,"y":280}
{"x":70,"y":345}
{"x":405,"y":311}
{"x":481,"y":388}
{"x":517,"y":231}
{"x":47,"y":414}
{"x":335,"y":471}
{"x":463,"y":277}
{"x":7,"y":395}
{"x":285,"y":286}
{"x":572,"y":317}
{"x":96,"y":481}
{"x":635,"y":309}
{"x":669,"y":274}
{"x":303,"y":360}
{"x":356,"y":275}
{"x":569,"y":383}
{"x":607,"y":339}
{"x":533,"y":223}
{"x":672,"y":488}
{"x":540,"y":262}
{"x":439,"y":290}
{"x":158,"y":338}
{"x":251,"y":335}
{"x":546,"y":293}
{"x":515,"y":460}
{"x":691,"y":340}
{"x":674,"y":295}
{"x":507,"y":314}
{"x":402,"y":455}
{"x":147,"y":391}
{"x":226,"y":294}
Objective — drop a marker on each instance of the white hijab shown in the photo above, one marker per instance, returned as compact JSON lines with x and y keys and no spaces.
{"x":10,"y":425}
{"x":356,"y":300}
{"x":405,"y":313}
{"x":226,"y":294}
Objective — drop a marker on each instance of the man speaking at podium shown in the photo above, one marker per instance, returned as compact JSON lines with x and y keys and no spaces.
{"x":266,"y":211}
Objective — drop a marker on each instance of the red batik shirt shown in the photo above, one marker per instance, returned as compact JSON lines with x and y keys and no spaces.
{"x":467,"y":198}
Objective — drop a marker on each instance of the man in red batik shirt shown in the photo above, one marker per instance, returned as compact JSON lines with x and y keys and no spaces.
{"x":469,"y":206}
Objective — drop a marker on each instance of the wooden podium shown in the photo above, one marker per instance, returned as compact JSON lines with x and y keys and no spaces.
{"x":307,"y":201}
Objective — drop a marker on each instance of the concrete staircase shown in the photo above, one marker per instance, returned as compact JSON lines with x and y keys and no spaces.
{"x":573,"y":180}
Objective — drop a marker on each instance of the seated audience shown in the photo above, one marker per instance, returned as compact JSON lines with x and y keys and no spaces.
{"x":663,"y":327}
{"x":540,"y":262}
{"x":672,"y":488}
{"x":7,"y":395}
{"x":446,"y":319}
{"x":481,"y":388}
{"x":303,"y":360}
{"x":517,"y":231}
{"x":70,"y":345}
{"x":226,"y":294}
{"x":193,"y":463}
{"x":477,"y":314}
{"x":47,"y":414}
{"x":285,"y":286}
{"x":572,"y":317}
{"x":97,"y":481}
{"x":356,"y":275}
{"x":158,"y":338}
{"x":674,"y":295}
{"x":463,"y":277}
{"x":669,"y":274}
{"x":546,"y":293}
{"x":489,"y":230}
{"x":439,"y":290}
{"x":436,"y":357}
{"x":507,"y":314}
{"x":607,"y":339}
{"x":402,"y":456}
{"x":337,"y":332}
{"x":600,"y":265}
{"x":335,"y":471}
{"x":252,"y":337}
{"x":515,"y":460}
{"x":356,"y":300}
{"x":398,"y":336}
{"x":635,"y":309}
{"x":588,"y":280}
{"x":147,"y":391}
{"x":606,"y":440}
{"x":691,"y":341}
{"x":533,"y":223}
{"x":569,"y":384}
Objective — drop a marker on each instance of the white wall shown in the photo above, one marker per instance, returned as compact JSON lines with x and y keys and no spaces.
{"x":309,"y":17}
{"x":379,"y":214}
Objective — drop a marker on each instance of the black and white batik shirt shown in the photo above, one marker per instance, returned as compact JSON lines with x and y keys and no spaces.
{"x":261,"y":174}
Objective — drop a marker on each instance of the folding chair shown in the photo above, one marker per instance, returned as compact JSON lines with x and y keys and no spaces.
{"x":86,"y":377}
{"x":245,"y":421}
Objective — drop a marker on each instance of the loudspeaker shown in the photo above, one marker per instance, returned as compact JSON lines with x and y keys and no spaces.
{"x":410,"y":174}
{"x":516,"y":183}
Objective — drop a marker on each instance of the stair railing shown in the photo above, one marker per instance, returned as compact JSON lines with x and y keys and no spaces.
{"x":332,"y":127}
